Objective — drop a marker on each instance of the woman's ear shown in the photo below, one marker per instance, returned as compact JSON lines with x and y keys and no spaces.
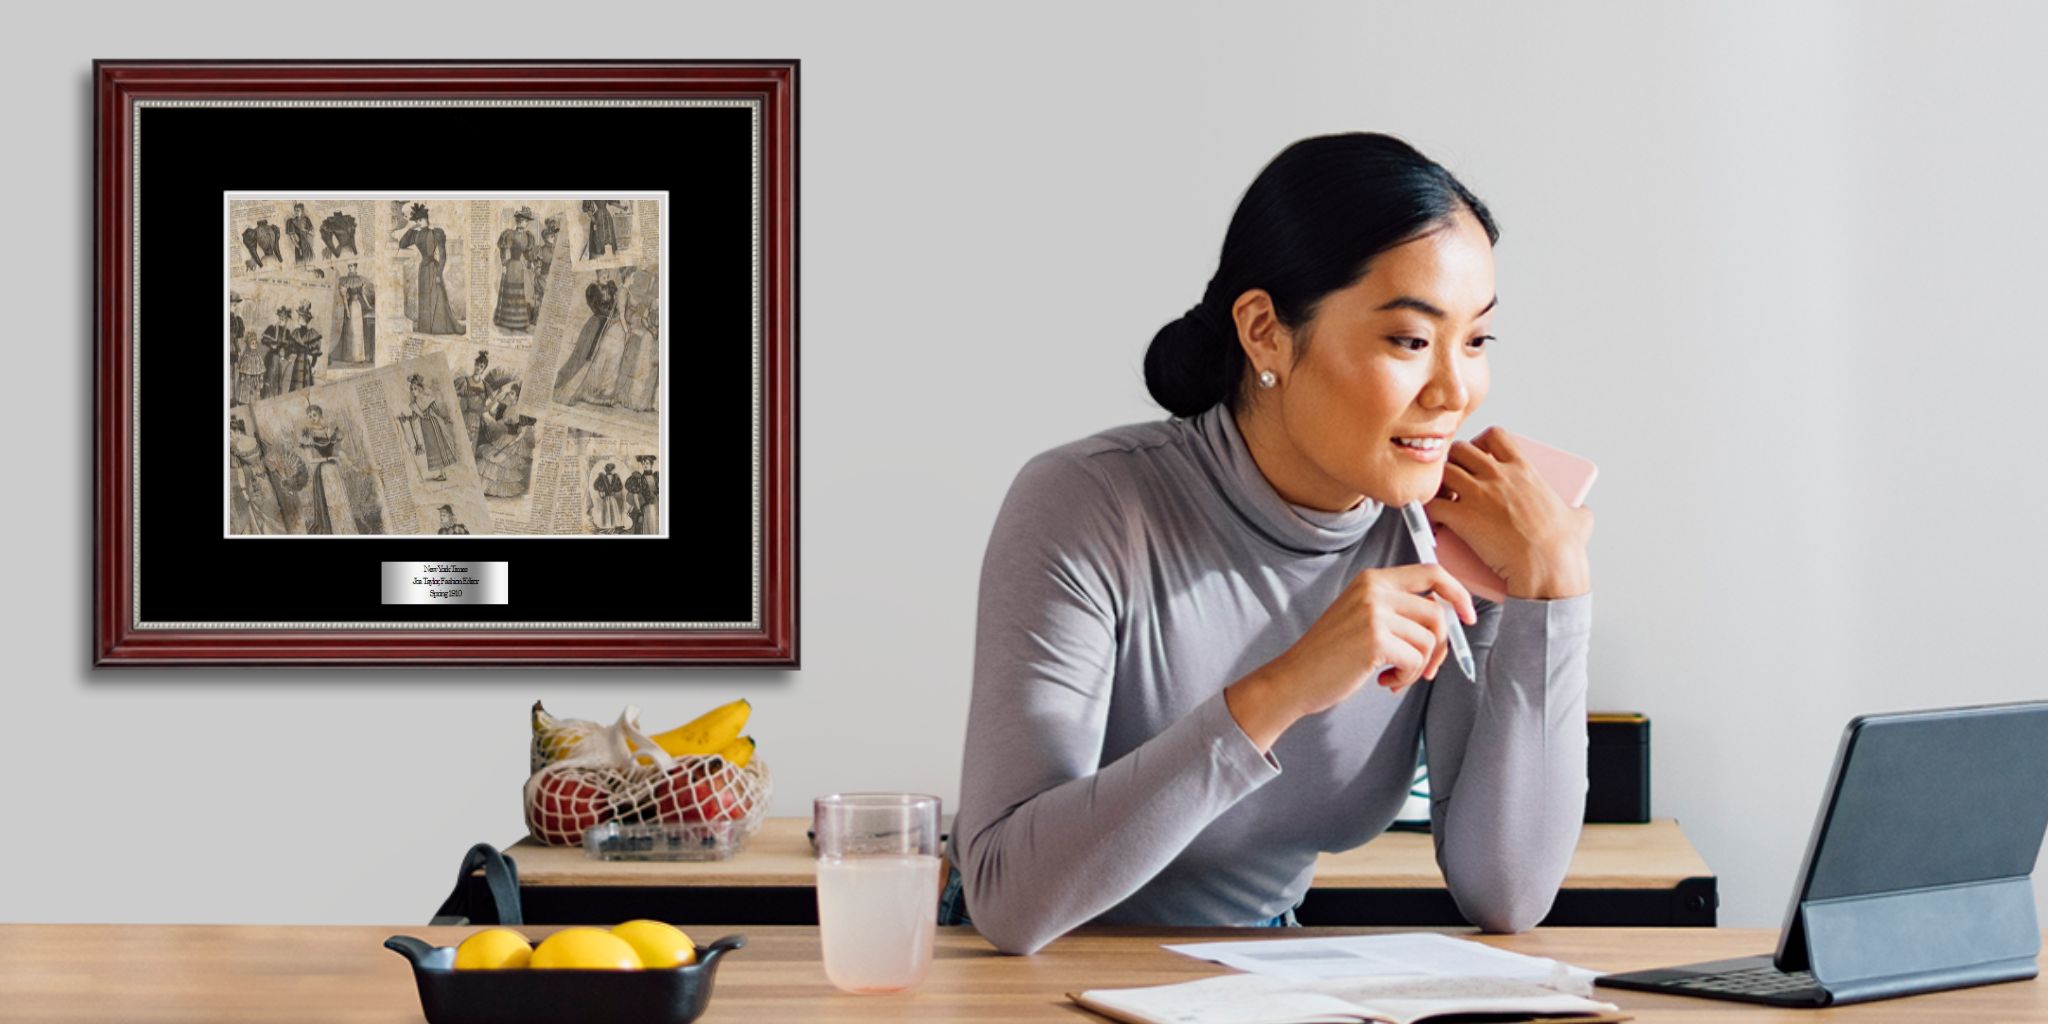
{"x":1268,"y":345}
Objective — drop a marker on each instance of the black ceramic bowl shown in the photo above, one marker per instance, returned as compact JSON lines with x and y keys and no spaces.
{"x":448,"y":996}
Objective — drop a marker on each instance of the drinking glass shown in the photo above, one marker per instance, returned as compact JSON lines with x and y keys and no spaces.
{"x":878,"y":887}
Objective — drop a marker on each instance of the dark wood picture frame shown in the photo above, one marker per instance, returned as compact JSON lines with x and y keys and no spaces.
{"x":118,"y":636}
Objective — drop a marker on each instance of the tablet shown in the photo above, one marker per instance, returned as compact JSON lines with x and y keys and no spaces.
{"x":1569,"y":475}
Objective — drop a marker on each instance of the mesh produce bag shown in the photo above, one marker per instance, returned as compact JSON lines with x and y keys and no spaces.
{"x":615,"y":773}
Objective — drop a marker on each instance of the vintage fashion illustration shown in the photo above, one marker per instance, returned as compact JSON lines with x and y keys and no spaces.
{"x":616,"y":360}
{"x":361,"y":402}
{"x":338,"y":235}
{"x":331,"y":509}
{"x":448,"y":523}
{"x":373,"y":453}
{"x":356,"y":336}
{"x":604,"y":229}
{"x":590,"y":375}
{"x":278,"y":333}
{"x":260,"y":239}
{"x":518,"y":259}
{"x":256,"y":503}
{"x":430,"y":428}
{"x":300,"y":227}
{"x":504,"y":444}
{"x":643,"y":496}
{"x":551,"y":229}
{"x":435,"y":314}
{"x":475,"y":389}
{"x":608,"y":503}
{"x":305,"y":350}
{"x":245,"y":357}
{"x":640,"y":365}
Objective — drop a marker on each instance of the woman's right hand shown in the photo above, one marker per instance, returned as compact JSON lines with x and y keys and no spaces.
{"x":1385,"y":627}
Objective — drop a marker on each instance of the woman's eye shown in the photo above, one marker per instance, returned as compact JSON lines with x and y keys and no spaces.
{"x":1480,"y":342}
{"x":1411,"y":344}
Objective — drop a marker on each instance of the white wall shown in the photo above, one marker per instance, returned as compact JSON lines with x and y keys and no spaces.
{"x":1772,"y":267}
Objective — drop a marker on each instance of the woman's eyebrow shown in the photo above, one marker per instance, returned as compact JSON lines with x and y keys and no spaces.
{"x":1429,"y":309}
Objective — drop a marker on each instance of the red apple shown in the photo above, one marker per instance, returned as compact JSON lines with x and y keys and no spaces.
{"x":695,"y":790}
{"x":564,"y":804}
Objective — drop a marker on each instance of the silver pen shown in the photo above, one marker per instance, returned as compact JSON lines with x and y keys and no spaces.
{"x":1425,"y":548}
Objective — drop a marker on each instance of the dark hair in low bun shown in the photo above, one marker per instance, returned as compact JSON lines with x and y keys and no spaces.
{"x":1193,"y":362}
{"x":1309,"y":225}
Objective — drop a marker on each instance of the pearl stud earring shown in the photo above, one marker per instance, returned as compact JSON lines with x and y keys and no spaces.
{"x":1267,"y":379}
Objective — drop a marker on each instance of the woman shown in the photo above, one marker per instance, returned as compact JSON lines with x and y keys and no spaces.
{"x":353,"y":346}
{"x":304,"y":349}
{"x":608,"y":511}
{"x":544,"y":261}
{"x":603,"y":239}
{"x":516,"y":293}
{"x":436,"y":314}
{"x":300,"y":227}
{"x":1172,"y":611}
{"x":640,"y":362}
{"x":437,"y":428}
{"x":254,"y":506}
{"x":473,"y":391}
{"x":330,"y":510}
{"x":504,"y":445}
{"x":279,"y":346}
{"x":591,"y":377}
{"x":646,"y":497}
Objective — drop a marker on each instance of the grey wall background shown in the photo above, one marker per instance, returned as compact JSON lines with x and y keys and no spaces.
{"x":1773,"y":265}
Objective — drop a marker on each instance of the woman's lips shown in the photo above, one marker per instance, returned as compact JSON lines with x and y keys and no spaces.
{"x":1423,"y":454}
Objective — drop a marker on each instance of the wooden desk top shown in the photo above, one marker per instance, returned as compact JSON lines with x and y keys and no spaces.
{"x":225,"y":974}
{"x":1650,"y":856}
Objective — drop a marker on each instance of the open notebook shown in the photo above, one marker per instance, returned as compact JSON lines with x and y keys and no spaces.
{"x":1262,"y":999}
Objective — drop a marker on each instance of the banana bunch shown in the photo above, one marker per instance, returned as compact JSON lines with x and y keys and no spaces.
{"x":714,"y":732}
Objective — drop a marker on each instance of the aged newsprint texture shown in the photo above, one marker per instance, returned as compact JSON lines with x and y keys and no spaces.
{"x":504,"y":356}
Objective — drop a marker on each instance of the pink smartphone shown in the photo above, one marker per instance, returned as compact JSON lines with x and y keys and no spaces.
{"x":1569,"y":475}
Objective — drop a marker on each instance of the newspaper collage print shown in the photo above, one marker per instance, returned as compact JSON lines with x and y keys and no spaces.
{"x":445,"y":364}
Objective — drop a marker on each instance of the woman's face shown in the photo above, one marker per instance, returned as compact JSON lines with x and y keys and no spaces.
{"x":1398,"y":355}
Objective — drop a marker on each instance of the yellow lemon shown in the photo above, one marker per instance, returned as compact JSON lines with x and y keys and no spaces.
{"x":493,"y":949}
{"x":585,"y":949}
{"x":659,"y":945}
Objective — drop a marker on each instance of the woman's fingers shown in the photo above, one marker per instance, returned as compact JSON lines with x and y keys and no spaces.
{"x":1412,"y":641}
{"x":1500,"y":444}
{"x":1443,"y":584}
{"x":1430,"y":615}
{"x":1461,"y":483}
{"x":1400,"y":649}
{"x":1471,"y":458}
{"x":1423,"y":578}
{"x":1459,"y":479}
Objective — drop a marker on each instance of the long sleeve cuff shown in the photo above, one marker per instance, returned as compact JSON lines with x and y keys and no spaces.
{"x":1528,"y":619}
{"x":1231,"y":748}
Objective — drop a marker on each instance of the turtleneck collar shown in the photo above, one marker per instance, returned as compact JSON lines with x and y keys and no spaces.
{"x":1223,"y":453}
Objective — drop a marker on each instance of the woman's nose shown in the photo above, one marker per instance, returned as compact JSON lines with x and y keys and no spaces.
{"x":1446,"y":388}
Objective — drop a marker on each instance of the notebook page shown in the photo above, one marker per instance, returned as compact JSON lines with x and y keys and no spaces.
{"x":1225,"y":999}
{"x":1405,"y":999}
{"x":1358,"y":956}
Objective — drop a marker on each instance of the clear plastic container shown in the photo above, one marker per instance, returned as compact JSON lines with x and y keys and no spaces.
{"x":665,"y":840}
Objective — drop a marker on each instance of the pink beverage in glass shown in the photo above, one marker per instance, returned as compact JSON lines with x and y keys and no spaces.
{"x":878,"y":888}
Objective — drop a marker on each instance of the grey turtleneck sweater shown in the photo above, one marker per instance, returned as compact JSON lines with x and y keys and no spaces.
{"x":1131,"y":576}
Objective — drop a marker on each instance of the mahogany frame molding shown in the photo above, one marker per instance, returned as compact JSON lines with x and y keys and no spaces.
{"x":119,"y":640}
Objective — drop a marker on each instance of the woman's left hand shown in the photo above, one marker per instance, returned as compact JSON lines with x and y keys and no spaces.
{"x":1512,"y":518}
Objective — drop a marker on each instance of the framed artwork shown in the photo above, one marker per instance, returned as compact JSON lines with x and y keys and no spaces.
{"x":445,"y":363}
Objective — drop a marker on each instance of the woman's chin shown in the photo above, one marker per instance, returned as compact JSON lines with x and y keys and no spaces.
{"x":1410,"y":486}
